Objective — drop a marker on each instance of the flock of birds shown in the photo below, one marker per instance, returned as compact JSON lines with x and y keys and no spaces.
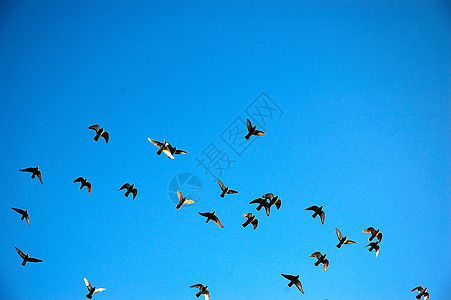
{"x":266,"y":201}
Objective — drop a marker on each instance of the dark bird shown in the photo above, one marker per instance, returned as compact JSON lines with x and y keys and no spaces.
{"x":100,"y":133}
{"x":92,"y":290}
{"x":375,"y":246}
{"x":211,"y":216}
{"x":321,"y":259}
{"x":262,"y":203}
{"x":202,"y":290}
{"x":34,"y":172}
{"x":294,"y":280}
{"x":250,"y":219}
{"x":84,"y":182}
{"x":421,"y":292}
{"x":166,"y":148}
{"x":252,"y":130}
{"x":342,"y":239}
{"x":27,"y":257}
{"x":182,"y":200}
{"x":24,"y":214}
{"x":374,"y":233}
{"x":273,"y":200}
{"x":225,"y":189}
{"x":130,"y":189}
{"x":318,"y":211}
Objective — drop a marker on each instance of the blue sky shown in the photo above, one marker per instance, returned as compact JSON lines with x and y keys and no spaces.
{"x":363,"y":126}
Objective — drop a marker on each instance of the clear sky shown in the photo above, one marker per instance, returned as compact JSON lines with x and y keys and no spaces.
{"x":359,"y":122}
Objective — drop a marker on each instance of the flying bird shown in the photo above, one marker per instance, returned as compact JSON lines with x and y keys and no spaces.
{"x":27,"y":257}
{"x":24,"y":214}
{"x":166,"y":148}
{"x":294,"y":280}
{"x":262,"y":203}
{"x":225,"y":190}
{"x":182,"y":200}
{"x":34,"y":172}
{"x":250,"y":219}
{"x":92,"y":290}
{"x":202,"y":290}
{"x":130,"y":189}
{"x":421,"y":292}
{"x":273,"y":200}
{"x":252,"y":130}
{"x":211,"y":216}
{"x":318,"y":211}
{"x":374,"y":233}
{"x":321,"y":259}
{"x":342,"y":239}
{"x":84,"y":182}
{"x":100,"y":133}
{"x":375,"y":246}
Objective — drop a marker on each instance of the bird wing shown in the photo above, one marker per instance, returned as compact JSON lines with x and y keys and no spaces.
{"x":88,"y":186}
{"x":232,"y":192}
{"x":199,"y":286}
{"x":221,"y":185}
{"x":269,"y":196}
{"x":28,"y":219}
{"x":32,"y":259}
{"x":289,"y":277}
{"x":322,"y":215}
{"x":188,"y":202}
{"x":206,"y":214}
{"x":20,"y":211}
{"x":370,"y":230}
{"x":40,"y":176}
{"x":377,"y":250}
{"x":168,"y":153}
{"x":180,"y":152}
{"x":79,"y":179}
{"x":418,"y":288}
{"x":299,"y":286}
{"x":125,"y":186}
{"x":278,"y":203}
{"x":94,"y":127}
{"x":254,"y":222}
{"x":268,"y":209}
{"x":156,"y":143}
{"x":28,"y":170}
{"x":249,"y":124}
{"x":315,"y":254}
{"x":106,"y":136}
{"x":207,"y":295}
{"x":349,"y":242}
{"x":20,"y":253}
{"x":259,"y":132}
{"x":98,"y":290}
{"x":216,"y":220}
{"x":258,"y":200}
{"x":379,"y":236}
{"x":338,"y":234}
{"x":180,"y":195}
{"x":326,"y":264}
{"x":135,"y":192}
{"x":426,"y":296}
{"x":88,"y":284}
{"x":314,"y":208}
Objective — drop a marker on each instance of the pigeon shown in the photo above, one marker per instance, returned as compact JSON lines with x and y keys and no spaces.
{"x":166,"y":148}
{"x":250,"y":219}
{"x":342,"y":239}
{"x":27,"y":257}
{"x":273,"y":200}
{"x":24,"y":214}
{"x":374,"y":233}
{"x":211,"y":216}
{"x":318,"y":211}
{"x":130,"y":189}
{"x":321,"y":259}
{"x":421,"y":292}
{"x":84,"y":182}
{"x":294,"y":280}
{"x":375,"y":246}
{"x":202,"y":290}
{"x":182,"y":200}
{"x":225,"y":190}
{"x":100,"y":133}
{"x":92,"y":290}
{"x":252,"y":130}
{"x":34,"y":171}
{"x":262,"y":203}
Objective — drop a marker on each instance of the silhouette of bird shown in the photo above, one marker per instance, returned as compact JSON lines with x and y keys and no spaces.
{"x":250,"y":219}
{"x":24,"y":214}
{"x":202,"y":290}
{"x":342,"y":239}
{"x":130,"y":189}
{"x":92,"y":290}
{"x":27,"y":257}
{"x":262,"y":203}
{"x":182,"y":200}
{"x":225,"y":190}
{"x":375,"y":246}
{"x":211,"y":216}
{"x":421,"y":292}
{"x":100,"y":133}
{"x":294,"y":280}
{"x":273,"y":200}
{"x":84,"y":182}
{"x":318,"y":211}
{"x":321,"y":259}
{"x":374,"y":233}
{"x":34,"y":172}
{"x":252,"y":130}
{"x":166,"y":148}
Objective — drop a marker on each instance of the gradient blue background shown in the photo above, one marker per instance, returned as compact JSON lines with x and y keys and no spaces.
{"x":365,"y":90}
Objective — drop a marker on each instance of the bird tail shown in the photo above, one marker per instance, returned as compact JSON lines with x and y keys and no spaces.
{"x":96,"y":138}
{"x":33,"y":176}
{"x":127,"y":193}
{"x":290,"y":284}
{"x":24,"y":262}
{"x":248,"y":136}
{"x":222,"y":195}
{"x":246,"y":223}
{"x":418,"y":296}
{"x":339,"y":245}
{"x":314,"y":215}
{"x":23,"y":217}
{"x":317,"y":263}
{"x":198,"y":294}
{"x":89,"y":296}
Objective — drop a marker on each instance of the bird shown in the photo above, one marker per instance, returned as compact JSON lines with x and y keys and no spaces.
{"x":342,"y":239}
{"x":92,"y":290}
{"x":182,"y":200}
{"x":321,"y":259}
{"x":225,"y":190}
{"x":35,"y":172}
{"x":273,"y":200}
{"x":100,"y":133}
{"x":130,"y":189}
{"x":318,"y":211}
{"x":27,"y":257}
{"x":202,"y":290}
{"x":262,"y":203}
{"x":250,"y":219}
{"x":84,"y":182}
{"x":24,"y":214}
{"x":375,"y":246}
{"x":252,"y":130}
{"x":211,"y":216}
{"x":421,"y":292}
{"x":374,"y":233}
{"x":166,"y":148}
{"x":294,"y":280}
